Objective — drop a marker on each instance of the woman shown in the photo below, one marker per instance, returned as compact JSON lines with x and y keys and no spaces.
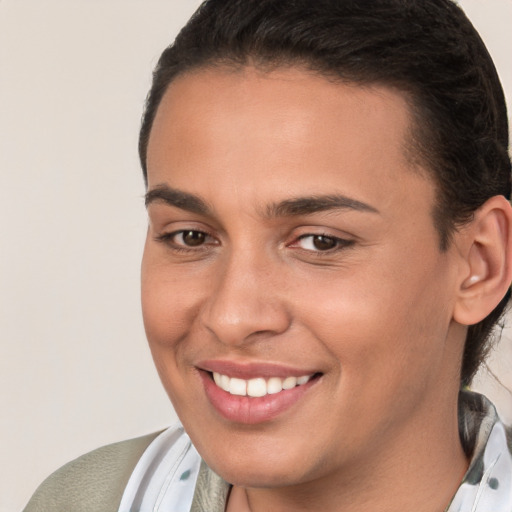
{"x":328,"y":250}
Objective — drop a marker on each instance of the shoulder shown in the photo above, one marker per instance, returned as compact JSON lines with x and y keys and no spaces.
{"x":93,"y":482}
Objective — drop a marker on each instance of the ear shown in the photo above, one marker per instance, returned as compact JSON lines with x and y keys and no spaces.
{"x":488,"y":256}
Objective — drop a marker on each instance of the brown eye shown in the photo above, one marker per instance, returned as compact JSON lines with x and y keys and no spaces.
{"x":187,"y":240}
{"x":193,"y":238}
{"x":321,"y":243}
{"x":324,"y":243}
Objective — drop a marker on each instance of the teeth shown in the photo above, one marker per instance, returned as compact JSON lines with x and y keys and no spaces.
{"x":257,"y":387}
{"x":289,"y":382}
{"x":238,"y":387}
{"x":274,"y":385}
{"x":224,"y":382}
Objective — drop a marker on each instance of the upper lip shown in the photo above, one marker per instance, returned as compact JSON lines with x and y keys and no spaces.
{"x":251,"y":370}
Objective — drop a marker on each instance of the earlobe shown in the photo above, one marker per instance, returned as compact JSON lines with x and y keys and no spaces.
{"x":488,"y":265}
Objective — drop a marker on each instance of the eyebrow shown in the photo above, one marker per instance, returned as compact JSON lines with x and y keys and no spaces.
{"x":178,"y":199}
{"x":313,"y":204}
{"x":287,"y":208}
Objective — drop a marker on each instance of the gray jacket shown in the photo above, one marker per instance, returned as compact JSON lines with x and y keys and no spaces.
{"x":95,"y":482}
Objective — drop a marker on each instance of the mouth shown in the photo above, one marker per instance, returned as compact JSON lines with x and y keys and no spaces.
{"x":263,"y":395}
{"x":259,"y":386}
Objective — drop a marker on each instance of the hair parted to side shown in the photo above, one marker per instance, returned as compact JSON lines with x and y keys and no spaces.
{"x":427,"y":49}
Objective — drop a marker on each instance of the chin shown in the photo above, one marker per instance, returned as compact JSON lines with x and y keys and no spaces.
{"x":253,"y":468}
{"x":254,"y":476}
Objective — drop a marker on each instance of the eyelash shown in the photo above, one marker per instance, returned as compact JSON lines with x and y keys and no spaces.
{"x":339,"y":243}
{"x":168,"y":239}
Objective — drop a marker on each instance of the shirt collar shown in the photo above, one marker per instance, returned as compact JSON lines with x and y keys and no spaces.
{"x":487,"y":484}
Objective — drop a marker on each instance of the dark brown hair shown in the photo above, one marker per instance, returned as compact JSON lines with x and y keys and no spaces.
{"x":427,"y":49}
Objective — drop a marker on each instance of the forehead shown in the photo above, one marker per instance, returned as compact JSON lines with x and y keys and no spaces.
{"x":289,"y":128}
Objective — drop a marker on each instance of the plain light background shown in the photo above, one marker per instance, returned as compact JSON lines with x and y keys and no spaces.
{"x":75,"y":371}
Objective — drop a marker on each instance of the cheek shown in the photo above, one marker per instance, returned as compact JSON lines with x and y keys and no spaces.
{"x":381,"y":326}
{"x":387,"y":351}
{"x":169,"y":302}
{"x":167,"y":309}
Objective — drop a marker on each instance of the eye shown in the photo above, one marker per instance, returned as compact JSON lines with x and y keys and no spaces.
{"x":187,"y":239}
{"x":190,"y":238}
{"x":321,"y":243}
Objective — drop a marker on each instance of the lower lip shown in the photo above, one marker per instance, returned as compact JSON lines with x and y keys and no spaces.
{"x":252,"y":410}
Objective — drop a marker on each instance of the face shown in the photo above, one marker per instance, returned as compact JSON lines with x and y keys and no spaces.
{"x":296,"y":302}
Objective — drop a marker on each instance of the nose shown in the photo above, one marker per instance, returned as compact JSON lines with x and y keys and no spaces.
{"x":246,"y":302}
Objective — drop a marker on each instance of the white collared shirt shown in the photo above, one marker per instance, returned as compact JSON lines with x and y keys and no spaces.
{"x":165,"y":476}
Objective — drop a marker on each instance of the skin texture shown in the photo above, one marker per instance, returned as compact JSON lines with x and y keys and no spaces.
{"x":374,"y":315}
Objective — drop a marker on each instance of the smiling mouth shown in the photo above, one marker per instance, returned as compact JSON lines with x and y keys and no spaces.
{"x":254,"y":393}
{"x":259,"y":387}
